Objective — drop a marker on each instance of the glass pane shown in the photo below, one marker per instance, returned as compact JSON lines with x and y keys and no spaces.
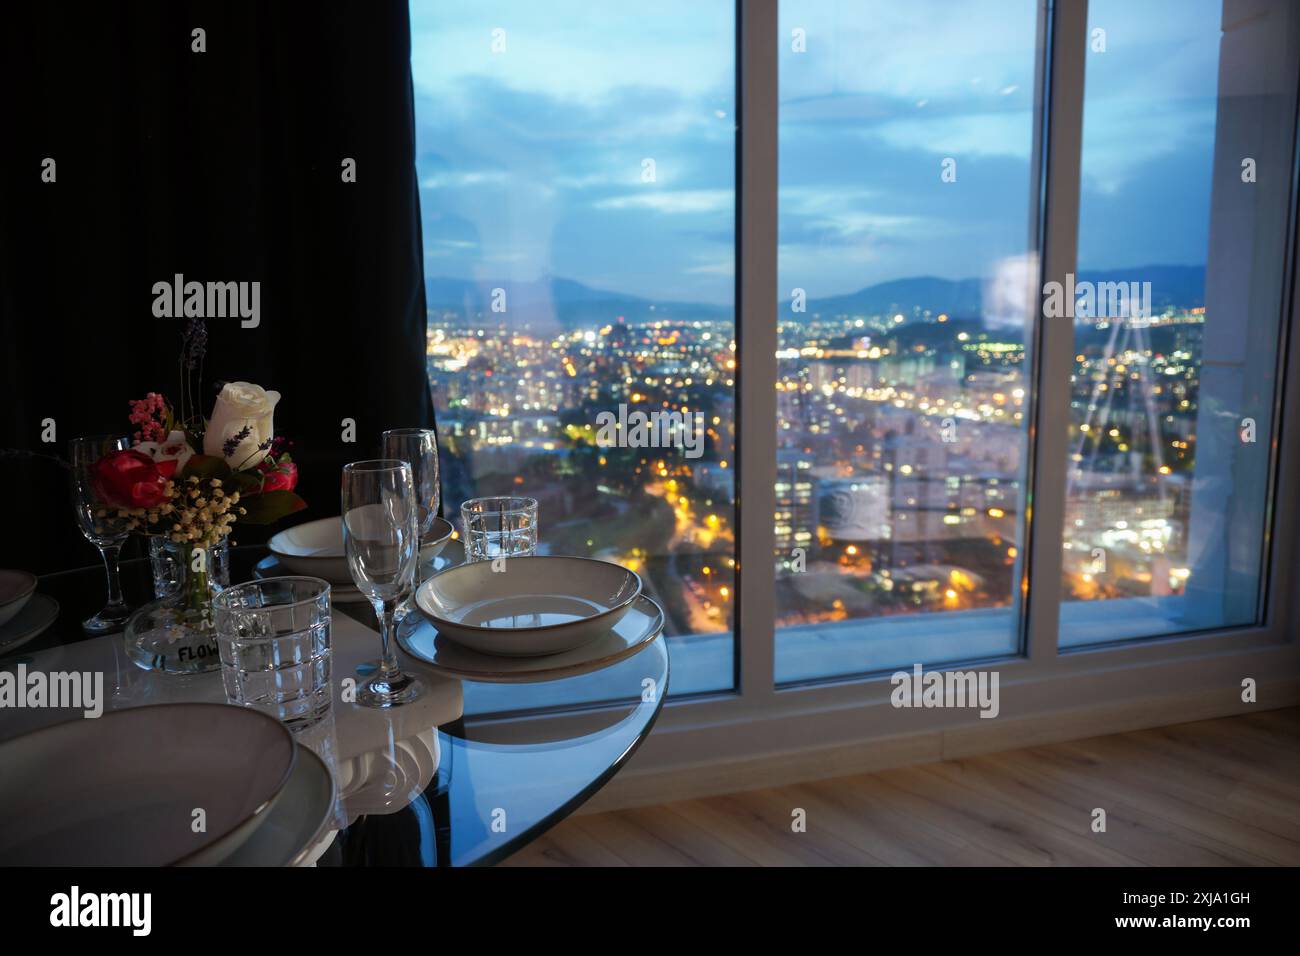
{"x":907,"y":272}
{"x":577,"y":182}
{"x":1189,"y":116}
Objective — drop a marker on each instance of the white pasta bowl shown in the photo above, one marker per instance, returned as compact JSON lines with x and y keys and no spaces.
{"x":528,"y":606}
{"x":435,"y":539}
{"x":314,"y":549}
{"x":16,"y":589}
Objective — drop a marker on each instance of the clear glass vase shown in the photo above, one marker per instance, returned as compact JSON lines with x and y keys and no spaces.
{"x":175,"y":633}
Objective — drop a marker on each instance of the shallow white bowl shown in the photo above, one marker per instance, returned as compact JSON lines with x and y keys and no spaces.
{"x":528,"y":607}
{"x":437,"y":538}
{"x":297,"y":822}
{"x":121,"y":789}
{"x":315,"y":549}
{"x":16,"y":589}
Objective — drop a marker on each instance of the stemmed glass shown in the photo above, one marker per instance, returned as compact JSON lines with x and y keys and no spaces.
{"x":100,"y":525}
{"x":418,"y":447}
{"x":381,"y":539}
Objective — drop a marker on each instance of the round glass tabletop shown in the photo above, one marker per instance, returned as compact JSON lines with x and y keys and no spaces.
{"x":465,"y":776}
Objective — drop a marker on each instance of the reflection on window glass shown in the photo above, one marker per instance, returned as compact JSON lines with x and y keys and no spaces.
{"x":907,"y":279}
{"x":577,"y":180}
{"x":1186,"y":166}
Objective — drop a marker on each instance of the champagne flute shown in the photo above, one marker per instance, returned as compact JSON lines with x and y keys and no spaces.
{"x":418,"y":447}
{"x":105,"y":530}
{"x":381,"y":539}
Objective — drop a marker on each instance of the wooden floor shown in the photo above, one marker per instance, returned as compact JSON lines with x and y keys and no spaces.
{"x":1214,"y":793}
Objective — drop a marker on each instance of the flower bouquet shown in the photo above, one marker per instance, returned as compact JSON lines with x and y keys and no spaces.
{"x":187,"y":502}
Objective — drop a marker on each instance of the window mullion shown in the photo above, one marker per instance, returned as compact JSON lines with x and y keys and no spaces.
{"x":756,"y":299}
{"x":1054,"y":357}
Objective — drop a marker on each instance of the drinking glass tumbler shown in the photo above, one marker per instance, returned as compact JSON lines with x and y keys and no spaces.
{"x":503,"y":527}
{"x":274,"y":639}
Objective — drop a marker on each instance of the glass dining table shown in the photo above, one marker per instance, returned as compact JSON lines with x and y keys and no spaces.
{"x":465,"y":776}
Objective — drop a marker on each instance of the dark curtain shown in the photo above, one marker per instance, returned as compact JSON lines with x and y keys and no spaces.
{"x":223,"y":165}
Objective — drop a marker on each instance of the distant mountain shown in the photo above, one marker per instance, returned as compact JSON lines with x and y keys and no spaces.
{"x":958,"y":297}
{"x":1179,"y":286}
{"x":567,"y":303}
{"x":570,"y":304}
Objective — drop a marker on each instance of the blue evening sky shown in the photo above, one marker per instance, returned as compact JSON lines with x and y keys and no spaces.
{"x":531,"y":159}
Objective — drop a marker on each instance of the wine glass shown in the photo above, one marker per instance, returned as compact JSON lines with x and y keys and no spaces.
{"x":100,"y":524}
{"x":418,"y":447}
{"x":381,"y":539}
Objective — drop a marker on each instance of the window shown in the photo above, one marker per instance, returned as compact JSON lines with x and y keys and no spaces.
{"x":1185,"y":179}
{"x":906,"y":266}
{"x":953,"y":436}
{"x":577,"y":189}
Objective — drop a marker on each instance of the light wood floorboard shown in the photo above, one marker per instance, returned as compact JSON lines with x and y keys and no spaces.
{"x":1213,"y":793}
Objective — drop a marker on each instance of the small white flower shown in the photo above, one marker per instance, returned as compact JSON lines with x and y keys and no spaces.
{"x":173,"y":448}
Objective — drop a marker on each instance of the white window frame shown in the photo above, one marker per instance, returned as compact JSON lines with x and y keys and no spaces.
{"x":759,"y":734}
{"x":764,"y":735}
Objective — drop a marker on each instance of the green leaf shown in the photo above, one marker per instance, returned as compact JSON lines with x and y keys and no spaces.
{"x":207,"y":466}
{"x":270,"y":506}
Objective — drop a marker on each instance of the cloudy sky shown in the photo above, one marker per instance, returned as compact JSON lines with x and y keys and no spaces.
{"x":532,"y":159}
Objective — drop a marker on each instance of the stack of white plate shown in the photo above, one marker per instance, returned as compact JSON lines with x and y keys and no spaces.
{"x":316,"y":550}
{"x":530,"y":618}
{"x":132,"y":787}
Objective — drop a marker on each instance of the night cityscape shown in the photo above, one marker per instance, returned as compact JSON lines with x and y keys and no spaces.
{"x":900,"y":451}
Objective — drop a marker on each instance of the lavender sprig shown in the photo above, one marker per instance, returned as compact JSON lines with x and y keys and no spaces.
{"x":194,"y":343}
{"x":230,"y":444}
{"x":258,"y":451}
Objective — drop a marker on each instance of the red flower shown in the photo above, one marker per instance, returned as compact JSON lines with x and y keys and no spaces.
{"x":278,"y":477}
{"x":129,"y":479}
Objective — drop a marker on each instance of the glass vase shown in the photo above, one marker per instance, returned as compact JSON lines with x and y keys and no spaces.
{"x":175,"y":633}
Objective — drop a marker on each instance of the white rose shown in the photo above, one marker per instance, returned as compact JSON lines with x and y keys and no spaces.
{"x":241,"y":405}
{"x":175,"y":448}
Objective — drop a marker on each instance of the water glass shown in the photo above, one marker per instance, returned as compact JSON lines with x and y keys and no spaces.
{"x":502,"y":527}
{"x":274,"y":639}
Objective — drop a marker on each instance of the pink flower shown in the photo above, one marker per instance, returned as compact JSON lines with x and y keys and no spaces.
{"x":149,"y":413}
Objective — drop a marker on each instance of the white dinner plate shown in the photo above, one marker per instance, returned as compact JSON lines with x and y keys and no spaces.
{"x":130,"y":788}
{"x":271,"y":567}
{"x":297,"y":822}
{"x":641,"y":624}
{"x":37,"y":614}
{"x":528,"y":606}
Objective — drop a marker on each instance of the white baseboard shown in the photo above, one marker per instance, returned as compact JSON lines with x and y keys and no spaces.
{"x":644,"y":786}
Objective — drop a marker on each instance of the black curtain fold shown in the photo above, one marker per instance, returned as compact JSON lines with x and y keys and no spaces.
{"x":223,"y":165}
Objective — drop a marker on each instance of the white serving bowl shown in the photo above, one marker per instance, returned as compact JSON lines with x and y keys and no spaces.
{"x":314,"y":549}
{"x":16,"y":589}
{"x":528,"y":606}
